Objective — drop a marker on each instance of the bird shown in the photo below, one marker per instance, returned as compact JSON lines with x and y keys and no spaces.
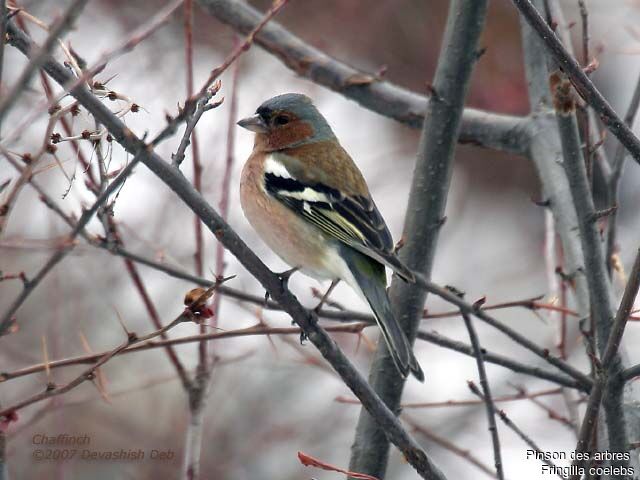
{"x":308,"y":201}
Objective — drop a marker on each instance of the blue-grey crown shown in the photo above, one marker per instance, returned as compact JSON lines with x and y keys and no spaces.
{"x":303,"y":108}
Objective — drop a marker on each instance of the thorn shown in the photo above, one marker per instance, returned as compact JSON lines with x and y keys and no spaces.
{"x":603,"y":213}
{"x":130,"y":335}
{"x":45,"y":356}
{"x":479,"y":303}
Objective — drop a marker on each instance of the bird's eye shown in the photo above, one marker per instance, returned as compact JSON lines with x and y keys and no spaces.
{"x":281,"y":120}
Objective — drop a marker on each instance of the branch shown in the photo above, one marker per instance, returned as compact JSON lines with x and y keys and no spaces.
{"x":139,"y":152}
{"x":545,"y":152}
{"x":100,"y":359}
{"x":424,"y":217}
{"x":616,"y":174}
{"x":490,"y":130}
{"x":594,"y":261}
{"x":270,"y":281}
{"x":443,"y":442}
{"x":486,"y":394}
{"x":607,"y":366}
{"x":509,"y":423}
{"x":543,"y":353}
{"x":61,"y":26}
{"x":579,"y":79}
{"x":256,"y":330}
{"x":3,"y":30}
{"x":501,"y":360}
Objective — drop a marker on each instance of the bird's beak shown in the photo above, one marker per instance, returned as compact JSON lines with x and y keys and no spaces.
{"x":255,"y":124}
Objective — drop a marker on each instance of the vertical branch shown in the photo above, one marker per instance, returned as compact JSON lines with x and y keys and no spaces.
{"x":425,"y":215}
{"x":595,"y":265}
{"x":197,"y":390}
{"x":614,"y":181}
{"x":151,"y":309}
{"x":195,"y":151}
{"x":546,"y":153}
{"x":3,"y":33}
{"x":584,"y":110}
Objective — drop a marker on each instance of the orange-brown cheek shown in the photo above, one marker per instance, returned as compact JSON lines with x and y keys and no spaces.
{"x":289,"y":134}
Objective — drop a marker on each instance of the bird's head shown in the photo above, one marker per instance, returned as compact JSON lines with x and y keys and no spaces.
{"x":286,"y":121}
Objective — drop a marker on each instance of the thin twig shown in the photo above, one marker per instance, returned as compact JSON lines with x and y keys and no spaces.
{"x":100,"y":359}
{"x":486,"y":394}
{"x":256,"y":330}
{"x":465,"y":403}
{"x":150,"y":307}
{"x":478,"y":312}
{"x":60,"y":27}
{"x":510,"y":424}
{"x":452,"y":447}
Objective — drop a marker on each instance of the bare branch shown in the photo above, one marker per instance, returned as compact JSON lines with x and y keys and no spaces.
{"x":61,"y":26}
{"x":579,"y":79}
{"x":465,"y":454}
{"x":513,"y":365}
{"x":509,"y":423}
{"x":616,"y":175}
{"x":424,"y":217}
{"x":515,"y":336}
{"x":256,"y":330}
{"x":502,"y":132}
{"x":606,"y":378}
{"x":270,"y":281}
{"x":99,"y":359}
{"x":486,"y":394}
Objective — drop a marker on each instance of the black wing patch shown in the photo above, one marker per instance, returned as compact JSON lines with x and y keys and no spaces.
{"x":354,"y":220}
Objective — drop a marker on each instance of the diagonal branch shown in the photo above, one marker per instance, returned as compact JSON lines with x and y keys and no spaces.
{"x":270,"y":281}
{"x":579,"y":79}
{"x":61,"y":26}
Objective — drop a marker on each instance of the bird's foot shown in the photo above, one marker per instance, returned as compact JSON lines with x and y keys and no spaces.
{"x":284,"y":281}
{"x":313,"y":320}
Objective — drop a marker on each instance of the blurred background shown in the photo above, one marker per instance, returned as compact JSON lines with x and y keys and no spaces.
{"x":270,"y":397}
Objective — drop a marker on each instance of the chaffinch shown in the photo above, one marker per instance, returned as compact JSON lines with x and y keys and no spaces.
{"x":306,"y":198}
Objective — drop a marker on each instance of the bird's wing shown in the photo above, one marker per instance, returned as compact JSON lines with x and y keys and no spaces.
{"x":352,"y":219}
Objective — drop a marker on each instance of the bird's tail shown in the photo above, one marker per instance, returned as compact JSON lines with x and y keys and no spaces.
{"x":370,"y":279}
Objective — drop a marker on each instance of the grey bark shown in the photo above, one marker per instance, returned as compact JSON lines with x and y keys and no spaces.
{"x":425,"y":216}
